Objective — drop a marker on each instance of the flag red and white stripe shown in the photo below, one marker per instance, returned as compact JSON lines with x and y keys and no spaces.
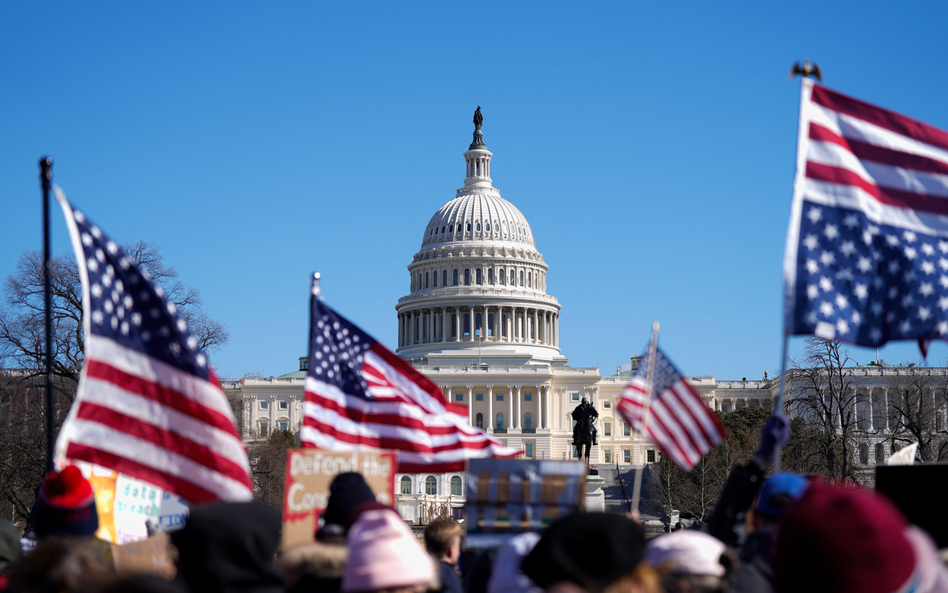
{"x":360,"y":396}
{"x":147,"y":405}
{"x":676,"y":419}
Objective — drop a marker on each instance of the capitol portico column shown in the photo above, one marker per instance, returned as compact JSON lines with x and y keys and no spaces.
{"x":484,"y":325}
{"x":548,"y":409}
{"x":444,"y":324}
{"x":490,"y":409}
{"x":457,"y":324}
{"x":471,"y":324}
{"x":470,"y":405}
{"x":536,"y":327}
{"x":519,"y":408}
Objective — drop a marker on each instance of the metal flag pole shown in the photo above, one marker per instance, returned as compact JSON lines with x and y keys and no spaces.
{"x":649,"y":377}
{"x":778,"y":403}
{"x":46,"y":178}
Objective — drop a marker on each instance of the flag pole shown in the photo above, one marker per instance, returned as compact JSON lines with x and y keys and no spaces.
{"x":778,"y":403}
{"x":46,"y":178}
{"x":649,"y":376}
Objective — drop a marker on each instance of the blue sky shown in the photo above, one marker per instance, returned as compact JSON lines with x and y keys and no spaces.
{"x":650,"y":145}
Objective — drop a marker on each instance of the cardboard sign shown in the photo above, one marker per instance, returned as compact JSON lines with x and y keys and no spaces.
{"x":147,"y":556}
{"x":506,"y":496}
{"x":306,"y":488}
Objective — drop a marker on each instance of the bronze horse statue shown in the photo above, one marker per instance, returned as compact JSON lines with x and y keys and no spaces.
{"x":583,"y":438}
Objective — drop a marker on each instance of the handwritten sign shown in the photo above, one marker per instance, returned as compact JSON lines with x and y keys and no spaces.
{"x":308,"y":475}
{"x":147,"y":556}
{"x":515,"y":495}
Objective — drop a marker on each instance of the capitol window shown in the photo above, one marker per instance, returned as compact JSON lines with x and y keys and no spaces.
{"x":431,"y":486}
{"x":608,"y":455}
{"x":478,"y":227}
{"x":456,"y":486}
{"x":467,"y":276}
{"x":528,"y":450}
{"x":469,"y":227}
{"x":434,"y":280}
{"x":521,"y":277}
{"x":455,"y":277}
{"x":459,"y":227}
{"x":443,"y":229}
{"x":488,"y":227}
{"x":477,"y":276}
{"x":527,"y":397}
{"x":479,"y":420}
{"x":513,"y":278}
{"x":427,"y":278}
{"x":490,"y":275}
{"x":528,"y":421}
{"x":502,"y":276}
{"x":405,"y":485}
{"x":444,"y":278}
{"x":529,"y":283}
{"x":500,"y":421}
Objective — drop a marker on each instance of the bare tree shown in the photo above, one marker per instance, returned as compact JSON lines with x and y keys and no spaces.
{"x":268,"y":466}
{"x":915,"y":397}
{"x":22,"y":354}
{"x":823,"y":393}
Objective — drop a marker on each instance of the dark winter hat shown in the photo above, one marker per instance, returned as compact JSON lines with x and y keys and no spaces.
{"x":592,"y":550}
{"x":229,"y":547}
{"x":347,"y":492}
{"x":65,"y":505}
{"x":842,"y":540}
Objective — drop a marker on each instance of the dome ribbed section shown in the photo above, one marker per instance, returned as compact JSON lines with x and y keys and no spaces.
{"x":478,"y":217}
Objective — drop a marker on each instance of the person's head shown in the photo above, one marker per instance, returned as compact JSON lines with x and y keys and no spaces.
{"x":584,"y":401}
{"x":776,"y":496}
{"x":384,"y":555}
{"x":65,"y":505}
{"x":591,"y":552}
{"x":443,"y":540}
{"x":843,"y":540}
{"x":61,"y":565}
{"x":347,"y":492}
{"x":690,"y":561}
{"x":229,"y":547}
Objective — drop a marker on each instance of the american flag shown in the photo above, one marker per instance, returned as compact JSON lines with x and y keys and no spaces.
{"x":675,"y":419}
{"x":148,"y":404}
{"x":360,"y":396}
{"x":867,"y":249}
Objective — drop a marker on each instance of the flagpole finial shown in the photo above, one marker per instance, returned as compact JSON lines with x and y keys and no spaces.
{"x":806,"y":70}
{"x":655,"y":327}
{"x":317,"y":291}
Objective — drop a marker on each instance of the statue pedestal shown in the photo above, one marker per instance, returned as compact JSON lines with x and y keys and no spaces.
{"x":595,"y":497}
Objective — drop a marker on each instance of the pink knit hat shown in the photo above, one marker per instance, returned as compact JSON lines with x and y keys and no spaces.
{"x":383,"y":554}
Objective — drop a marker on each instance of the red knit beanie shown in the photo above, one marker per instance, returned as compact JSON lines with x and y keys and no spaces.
{"x":842,"y":540}
{"x":65,"y":505}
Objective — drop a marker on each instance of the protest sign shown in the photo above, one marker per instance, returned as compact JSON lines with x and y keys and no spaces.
{"x":147,"y":556}
{"x":306,"y":488}
{"x":506,"y":496}
{"x":102,"y":481}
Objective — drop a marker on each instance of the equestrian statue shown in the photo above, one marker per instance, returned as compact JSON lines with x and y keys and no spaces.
{"x":584,"y":428}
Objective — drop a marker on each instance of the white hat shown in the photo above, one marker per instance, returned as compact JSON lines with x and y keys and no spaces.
{"x":686,"y":552}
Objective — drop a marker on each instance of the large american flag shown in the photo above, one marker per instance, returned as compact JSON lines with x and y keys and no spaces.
{"x":148,"y":404}
{"x":867,"y":249}
{"x":675,"y":418}
{"x":360,"y":396}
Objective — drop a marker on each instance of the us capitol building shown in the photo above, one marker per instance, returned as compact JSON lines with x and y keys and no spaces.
{"x":477,"y":321}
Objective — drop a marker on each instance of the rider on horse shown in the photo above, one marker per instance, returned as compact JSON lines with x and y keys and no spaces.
{"x":581,"y":414}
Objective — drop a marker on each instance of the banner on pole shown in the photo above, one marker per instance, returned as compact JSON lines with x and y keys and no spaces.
{"x":309,"y":472}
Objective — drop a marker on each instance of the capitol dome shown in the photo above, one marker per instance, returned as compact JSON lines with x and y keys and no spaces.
{"x":478,"y":284}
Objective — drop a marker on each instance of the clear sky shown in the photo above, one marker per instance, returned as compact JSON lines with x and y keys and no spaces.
{"x":650,"y":146}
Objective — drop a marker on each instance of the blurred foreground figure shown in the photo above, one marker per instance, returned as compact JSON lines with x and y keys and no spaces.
{"x":843,"y":540}
{"x":443,"y":542}
{"x":778,"y":494}
{"x":61,"y":565}
{"x":9,"y":550}
{"x":229,"y":548}
{"x":384,"y":555}
{"x":691,"y":562}
{"x":591,"y":552}
{"x":314,"y":568}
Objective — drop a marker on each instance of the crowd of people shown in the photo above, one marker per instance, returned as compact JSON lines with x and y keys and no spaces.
{"x":786,"y":533}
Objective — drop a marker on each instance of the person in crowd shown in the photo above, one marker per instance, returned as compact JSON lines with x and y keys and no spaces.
{"x":348,"y":493}
{"x":844,"y":540}
{"x":384,"y":556}
{"x":65,"y":505}
{"x":779,"y":492}
{"x":443,"y":542}
{"x":506,"y":577}
{"x":690,"y":561}
{"x":744,"y":482}
{"x":229,"y":548}
{"x":61,"y":564}
{"x":314,"y":568}
{"x":591,"y":552}
{"x":9,"y":550}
